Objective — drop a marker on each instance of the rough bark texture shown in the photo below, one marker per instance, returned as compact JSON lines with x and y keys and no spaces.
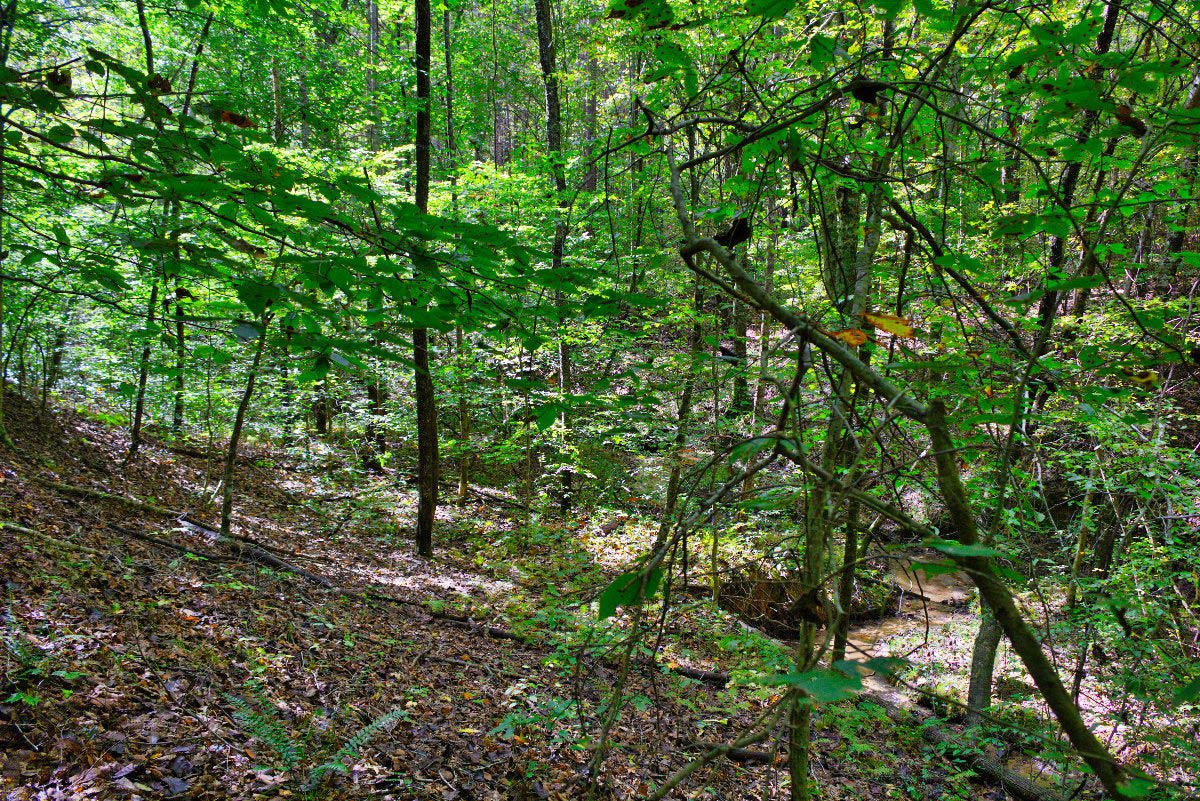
{"x":548,"y":58}
{"x":427,"y":444}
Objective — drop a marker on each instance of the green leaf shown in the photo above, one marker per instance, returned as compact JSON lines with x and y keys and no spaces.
{"x":1078,"y":282}
{"x":256,"y":295}
{"x":60,"y":134}
{"x":1137,"y":787}
{"x":932,"y":569}
{"x":821,"y":49}
{"x":952,"y":548}
{"x":547,"y":415}
{"x":750,"y":448}
{"x":626,"y":590}
{"x":770,"y":9}
{"x":1188,"y":692}
{"x":823,"y":686}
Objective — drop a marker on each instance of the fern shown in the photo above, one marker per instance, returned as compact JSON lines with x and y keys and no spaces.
{"x":269,"y":730}
{"x":351,"y":749}
{"x":267,"y":727}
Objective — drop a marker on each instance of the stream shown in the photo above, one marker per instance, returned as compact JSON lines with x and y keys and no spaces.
{"x":927,"y":603}
{"x":946,"y":598}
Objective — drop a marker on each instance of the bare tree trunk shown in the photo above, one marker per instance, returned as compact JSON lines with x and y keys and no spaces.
{"x":427,"y":433}
{"x":180,"y":363}
{"x":983,"y":662}
{"x":372,"y":77}
{"x":277,"y":128}
{"x":8,"y":16}
{"x":135,"y":432}
{"x":547,"y":56}
{"x":239,"y":421}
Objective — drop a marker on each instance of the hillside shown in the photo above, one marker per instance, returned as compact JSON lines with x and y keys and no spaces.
{"x":134,"y":643}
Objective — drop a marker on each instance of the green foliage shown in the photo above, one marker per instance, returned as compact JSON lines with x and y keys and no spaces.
{"x":261,"y":721}
{"x":628,"y":589}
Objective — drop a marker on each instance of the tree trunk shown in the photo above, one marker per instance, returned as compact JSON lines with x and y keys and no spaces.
{"x":983,"y":663}
{"x":427,"y":442}
{"x":180,"y":363}
{"x":239,"y":421}
{"x":993,"y":592}
{"x":7,"y":19}
{"x":548,"y":58}
{"x":277,"y":129}
{"x":135,"y":432}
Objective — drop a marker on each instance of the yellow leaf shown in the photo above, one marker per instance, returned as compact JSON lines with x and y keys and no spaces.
{"x":896,"y":326}
{"x":851,"y":336}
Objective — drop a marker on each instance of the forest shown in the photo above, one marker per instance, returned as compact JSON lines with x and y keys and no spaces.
{"x":599,"y":399}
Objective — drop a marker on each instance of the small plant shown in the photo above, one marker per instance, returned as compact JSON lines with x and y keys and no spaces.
{"x":27,"y":669}
{"x":263,"y":723}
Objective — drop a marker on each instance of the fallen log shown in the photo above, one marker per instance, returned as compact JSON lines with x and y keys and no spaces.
{"x":717,"y":678}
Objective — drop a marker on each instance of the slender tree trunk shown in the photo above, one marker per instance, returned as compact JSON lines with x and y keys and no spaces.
{"x":1081,"y":539}
{"x":180,"y":363}
{"x":464,"y":411}
{"x":373,"y":137}
{"x":983,"y":662}
{"x":7,"y":19}
{"x":376,"y":429}
{"x":841,"y":634}
{"x":993,"y":591}
{"x":135,"y":432}
{"x":239,"y":422}
{"x":548,"y":58}
{"x":427,"y":434}
{"x":695,"y":342}
{"x":740,"y":403}
{"x":277,"y":129}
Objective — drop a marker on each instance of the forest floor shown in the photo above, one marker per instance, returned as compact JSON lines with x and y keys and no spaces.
{"x":133,"y":669}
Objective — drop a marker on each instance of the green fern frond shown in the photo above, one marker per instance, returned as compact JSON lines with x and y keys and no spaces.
{"x":268,"y":729}
{"x":351,"y":749}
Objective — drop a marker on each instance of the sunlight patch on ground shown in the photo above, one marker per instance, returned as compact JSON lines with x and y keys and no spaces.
{"x":415,"y":575}
{"x":618,"y":544}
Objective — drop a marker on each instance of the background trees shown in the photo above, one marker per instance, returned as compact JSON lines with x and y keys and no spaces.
{"x":963,"y":317}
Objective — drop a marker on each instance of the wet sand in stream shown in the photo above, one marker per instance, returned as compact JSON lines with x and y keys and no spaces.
{"x":945,"y":596}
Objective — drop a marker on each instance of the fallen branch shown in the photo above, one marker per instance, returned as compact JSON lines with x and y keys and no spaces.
{"x":717,"y":678}
{"x":46,"y":539}
{"x":487,"y":496}
{"x":736,"y":754}
{"x":495,"y":632}
{"x":174,"y":546}
{"x":100,"y":495}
